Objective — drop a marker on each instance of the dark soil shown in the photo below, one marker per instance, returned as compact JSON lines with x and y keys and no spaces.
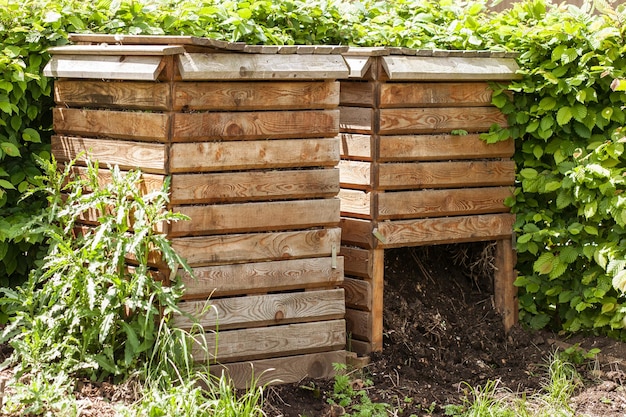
{"x":442,"y":336}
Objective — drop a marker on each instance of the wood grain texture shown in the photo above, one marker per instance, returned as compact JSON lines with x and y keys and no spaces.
{"x":439,"y":120}
{"x":195,"y":66}
{"x":357,"y":174}
{"x":256,"y":217}
{"x":149,"y":182}
{"x":441,"y":147}
{"x":268,"y":342}
{"x":111,"y":49}
{"x":440,"y":203}
{"x":262,"y":310}
{"x":245,"y":155}
{"x":257,"y":247}
{"x":358,"y":93}
{"x":459,"y":229}
{"x":395,"y":176}
{"x":149,"y":157}
{"x":358,"y":294}
{"x":153,"y":127}
{"x":356,"y":203}
{"x":359,"y":324}
{"x":358,"y":65}
{"x":259,"y":277}
{"x":357,"y":120}
{"x":102,"y":67}
{"x":357,"y":232}
{"x":358,"y":262}
{"x":190,"y":127}
{"x":505,"y":291}
{"x":415,"y":68}
{"x":287,"y":370}
{"x":357,"y":147}
{"x":114,"y":95}
{"x":260,"y":95}
{"x":397,"y":95}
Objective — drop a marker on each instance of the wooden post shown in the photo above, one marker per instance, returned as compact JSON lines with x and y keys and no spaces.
{"x":378,"y":285}
{"x":504,"y":289}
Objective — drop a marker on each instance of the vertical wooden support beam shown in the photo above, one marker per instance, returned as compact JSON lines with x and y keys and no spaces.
{"x":505,"y":291}
{"x":378,"y":286}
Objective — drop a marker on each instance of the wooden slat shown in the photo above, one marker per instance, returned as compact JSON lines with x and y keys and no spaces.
{"x":260,"y":95}
{"x":262,"y":310}
{"x":358,"y":66}
{"x":356,"y":174}
{"x":360,"y":347}
{"x":358,"y":93}
{"x":357,"y":120}
{"x":358,"y":294}
{"x":440,"y":203}
{"x":149,"y":157}
{"x":254,"y":278}
{"x":125,"y":50}
{"x":405,"y":175}
{"x":355,"y":146}
{"x":359,"y":324}
{"x":257,"y":247}
{"x":359,"y":262}
{"x":104,"y":94}
{"x":445,"y":230}
{"x":449,"y":68}
{"x":144,"y":126}
{"x":439,"y":120}
{"x":149,"y":182}
{"x":505,"y":291}
{"x":470,"y":94}
{"x":259,"y":67}
{"x":268,"y":342}
{"x":144,"y":68}
{"x":357,"y":232}
{"x":378,"y":286}
{"x":189,"y":127}
{"x":441,"y":147}
{"x":356,"y":203}
{"x":254,"y":186}
{"x":256,"y":217}
{"x":154,"y":40}
{"x":287,"y":370}
{"x":263,"y":154}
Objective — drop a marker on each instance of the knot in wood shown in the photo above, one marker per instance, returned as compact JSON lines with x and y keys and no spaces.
{"x":279,"y":315}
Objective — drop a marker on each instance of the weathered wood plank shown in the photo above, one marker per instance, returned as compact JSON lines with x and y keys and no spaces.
{"x":440,"y":203}
{"x":469,"y":94}
{"x":357,"y":232}
{"x":257,"y":247}
{"x":149,"y":182}
{"x":505,"y":291}
{"x":125,"y":50}
{"x":288,"y":370}
{"x":356,"y":203}
{"x":106,"y":94}
{"x":267,"y":342}
{"x":439,"y":120}
{"x":149,"y":157}
{"x":264,"y":154}
{"x":355,"y":146}
{"x":102,"y":67}
{"x":441,"y":147}
{"x":154,"y":40}
{"x":359,"y":324}
{"x":254,"y":186}
{"x":260,"y":95}
{"x":357,"y":120}
{"x":378,"y":286}
{"x":445,"y":230}
{"x":358,"y":65}
{"x":259,"y":277}
{"x":256,"y":217}
{"x":142,"y":126}
{"x":358,"y":93}
{"x":479,"y":173}
{"x":415,"y":68}
{"x":356,"y":174}
{"x":195,"y":66}
{"x":262,"y":310}
{"x":358,"y":294}
{"x":358,"y":262}
{"x":360,"y":347}
{"x":189,"y":127}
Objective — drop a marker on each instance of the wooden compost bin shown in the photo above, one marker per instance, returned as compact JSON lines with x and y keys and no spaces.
{"x":415,"y":172}
{"x":249,"y":137}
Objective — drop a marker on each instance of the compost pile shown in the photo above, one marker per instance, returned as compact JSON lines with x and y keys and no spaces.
{"x":443,"y":336}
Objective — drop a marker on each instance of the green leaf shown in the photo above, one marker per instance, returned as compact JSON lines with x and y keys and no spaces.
{"x":529,"y":173}
{"x":547,"y":103}
{"x":564,"y":115}
{"x":6,"y":185}
{"x":544,"y":264}
{"x":579,"y":111}
{"x":31,"y":135}
{"x":10,"y":149}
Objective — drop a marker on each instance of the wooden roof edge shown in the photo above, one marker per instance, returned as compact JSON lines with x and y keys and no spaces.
{"x":106,"y":49}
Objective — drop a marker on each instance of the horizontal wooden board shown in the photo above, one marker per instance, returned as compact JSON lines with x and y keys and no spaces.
{"x":125,"y":39}
{"x":358,"y":232}
{"x":257,"y":247}
{"x":356,"y":174}
{"x":259,"y":277}
{"x":449,"y":68}
{"x":260,"y":95}
{"x":153,"y":127}
{"x":190,"y":127}
{"x":441,"y":147}
{"x":196,"y":66}
{"x":357,"y":120}
{"x":115,"y":95}
{"x":149,"y":182}
{"x":358,"y":262}
{"x":469,"y":94}
{"x":359,"y":324}
{"x":356,"y":146}
{"x":274,"y":341}
{"x":256,"y":217}
{"x":439,"y":120}
{"x":479,"y":173}
{"x":357,"y":203}
{"x":360,"y":347}
{"x":286,"y":370}
{"x":434,"y":231}
{"x":149,"y":157}
{"x":359,"y":93}
{"x":261,"y":310}
{"x":439,"y":203}
{"x":254,"y":186}
{"x":103,"y":67}
{"x":358,"y":294}
{"x":261,"y":154}
{"x":112,"y":49}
